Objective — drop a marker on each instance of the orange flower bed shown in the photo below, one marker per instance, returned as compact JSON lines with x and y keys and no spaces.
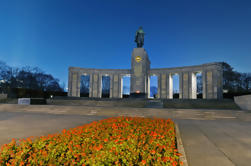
{"x":112,"y":141}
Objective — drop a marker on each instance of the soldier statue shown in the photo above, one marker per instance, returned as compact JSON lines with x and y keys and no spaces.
{"x":139,"y":37}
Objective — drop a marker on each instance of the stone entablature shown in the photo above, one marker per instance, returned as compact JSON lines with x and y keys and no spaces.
{"x":211,"y":76}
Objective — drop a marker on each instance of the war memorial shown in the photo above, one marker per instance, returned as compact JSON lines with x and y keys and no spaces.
{"x":140,"y":73}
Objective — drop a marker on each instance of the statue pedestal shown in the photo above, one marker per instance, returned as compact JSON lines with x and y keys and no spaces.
{"x":140,"y":67}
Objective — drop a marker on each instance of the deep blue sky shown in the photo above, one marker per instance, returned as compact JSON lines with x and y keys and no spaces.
{"x":56,"y":34}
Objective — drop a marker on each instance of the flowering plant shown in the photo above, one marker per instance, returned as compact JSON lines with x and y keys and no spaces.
{"x":112,"y":141}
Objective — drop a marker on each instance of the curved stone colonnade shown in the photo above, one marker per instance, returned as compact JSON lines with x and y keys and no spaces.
{"x":211,"y":76}
{"x":95,"y":89}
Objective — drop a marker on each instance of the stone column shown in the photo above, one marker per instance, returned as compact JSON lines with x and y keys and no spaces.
{"x":120,"y":86}
{"x":69,"y":83}
{"x":116,"y":87}
{"x":192,"y":85}
{"x":207,"y":77}
{"x":186,"y":78}
{"x":220,"y":83}
{"x":99,"y":85}
{"x":111,"y":86}
{"x":90,"y":85}
{"x":95,"y":85}
{"x":217,"y":82}
{"x":78,"y":84}
{"x":163,"y":86}
{"x":204,"y":84}
{"x":75,"y":84}
{"x":159,"y":86}
{"x":148,"y":87}
{"x":170,"y":85}
{"x":180,"y":85}
{"x":212,"y":83}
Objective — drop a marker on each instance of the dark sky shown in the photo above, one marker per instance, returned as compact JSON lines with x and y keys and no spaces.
{"x":56,"y":34}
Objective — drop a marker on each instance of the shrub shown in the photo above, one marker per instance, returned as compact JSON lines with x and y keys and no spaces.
{"x":112,"y":141}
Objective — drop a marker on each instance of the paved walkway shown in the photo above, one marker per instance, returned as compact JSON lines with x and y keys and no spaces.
{"x":216,"y":143}
{"x":210,"y":137}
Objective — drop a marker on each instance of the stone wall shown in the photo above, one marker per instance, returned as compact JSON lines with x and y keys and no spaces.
{"x":200,"y":104}
{"x":244,"y":102}
{"x":100,"y":103}
{"x":3,"y":96}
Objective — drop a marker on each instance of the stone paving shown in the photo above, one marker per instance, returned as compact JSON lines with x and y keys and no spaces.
{"x":210,"y":137}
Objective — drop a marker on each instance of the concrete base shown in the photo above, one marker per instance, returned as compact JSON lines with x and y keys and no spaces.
{"x":200,"y":104}
{"x":138,"y":95}
{"x":3,"y":96}
{"x":244,"y":102}
{"x":139,"y":101}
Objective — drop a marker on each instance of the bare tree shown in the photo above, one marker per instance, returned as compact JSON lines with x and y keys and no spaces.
{"x":26,"y":78}
{"x":234,"y":81}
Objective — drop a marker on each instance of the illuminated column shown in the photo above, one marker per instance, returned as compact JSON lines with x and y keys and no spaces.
{"x":120,"y":95}
{"x":192,"y":86}
{"x":170,"y":85}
